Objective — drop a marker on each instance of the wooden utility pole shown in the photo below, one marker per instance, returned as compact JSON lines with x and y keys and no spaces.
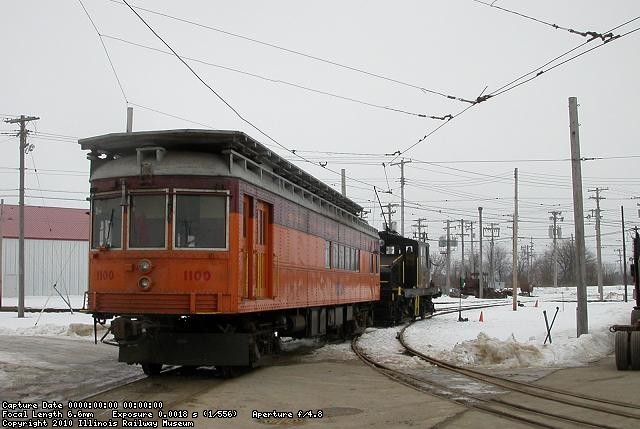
{"x":23,"y":148}
{"x":462,"y":234}
{"x":514,"y":282}
{"x":598,"y":241}
{"x":389,"y":212}
{"x":494,"y":229}
{"x":582,"y":319}
{"x":624,"y":255}
{"x":448,"y":279}
{"x":402,"y":182}
{"x":481,"y":270}
{"x":419,"y":227}
{"x":555,"y":234}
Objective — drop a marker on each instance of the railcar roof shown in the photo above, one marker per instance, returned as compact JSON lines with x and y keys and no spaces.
{"x":216,"y":141}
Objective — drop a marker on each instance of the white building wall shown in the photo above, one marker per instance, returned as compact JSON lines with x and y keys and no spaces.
{"x":47,"y":262}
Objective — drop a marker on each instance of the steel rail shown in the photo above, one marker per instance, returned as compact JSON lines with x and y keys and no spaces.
{"x":501,"y":382}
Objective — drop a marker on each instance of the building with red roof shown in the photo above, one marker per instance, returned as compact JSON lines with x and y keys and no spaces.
{"x":56,"y":249}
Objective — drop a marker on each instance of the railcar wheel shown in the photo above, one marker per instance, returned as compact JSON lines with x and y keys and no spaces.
{"x":227,"y":372}
{"x":634,"y":350}
{"x":151,"y":369}
{"x":622,"y":350}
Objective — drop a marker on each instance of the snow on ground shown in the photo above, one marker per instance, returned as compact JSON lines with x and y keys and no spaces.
{"x":505,"y":339}
{"x":75,"y":326}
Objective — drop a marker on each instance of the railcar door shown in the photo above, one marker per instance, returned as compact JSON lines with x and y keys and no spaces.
{"x":247,"y":248}
{"x":262,"y":250}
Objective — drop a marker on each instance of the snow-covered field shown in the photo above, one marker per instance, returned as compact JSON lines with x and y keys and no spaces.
{"x":506,"y":338}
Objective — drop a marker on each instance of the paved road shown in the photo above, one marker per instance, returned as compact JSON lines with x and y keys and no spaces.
{"x":50,"y":368}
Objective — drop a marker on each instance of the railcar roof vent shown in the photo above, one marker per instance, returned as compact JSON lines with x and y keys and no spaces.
{"x":146,"y":154}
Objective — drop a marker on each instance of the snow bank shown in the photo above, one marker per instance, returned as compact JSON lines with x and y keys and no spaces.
{"x":74,"y":326}
{"x":508,"y":339}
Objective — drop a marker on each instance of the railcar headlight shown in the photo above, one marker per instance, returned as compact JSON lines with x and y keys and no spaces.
{"x":145,"y":266}
{"x":144,"y":283}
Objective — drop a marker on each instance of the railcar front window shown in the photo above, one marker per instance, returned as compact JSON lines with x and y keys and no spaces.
{"x":147,"y":223}
{"x":201,"y":221}
{"x":106,"y":223}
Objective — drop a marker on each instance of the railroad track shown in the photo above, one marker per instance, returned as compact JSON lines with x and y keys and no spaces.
{"x":573,"y":405}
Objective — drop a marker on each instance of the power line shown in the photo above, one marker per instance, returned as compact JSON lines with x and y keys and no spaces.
{"x":539,"y":70}
{"x":210,"y":87}
{"x":228,"y":104}
{"x":591,"y":34}
{"x":507,"y":87}
{"x":283,"y":82}
{"x":105,"y":51}
{"x":292,"y":51}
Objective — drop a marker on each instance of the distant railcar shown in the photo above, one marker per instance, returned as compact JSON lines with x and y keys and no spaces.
{"x":205,"y":245}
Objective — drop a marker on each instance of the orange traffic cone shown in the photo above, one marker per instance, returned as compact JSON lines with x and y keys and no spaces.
{"x":481,"y":317}
{"x":536,"y":303}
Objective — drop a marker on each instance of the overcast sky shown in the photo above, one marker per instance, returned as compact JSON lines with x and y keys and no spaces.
{"x":54,"y":66}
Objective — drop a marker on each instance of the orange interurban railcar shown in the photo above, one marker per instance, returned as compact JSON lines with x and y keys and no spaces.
{"x":206,"y":246}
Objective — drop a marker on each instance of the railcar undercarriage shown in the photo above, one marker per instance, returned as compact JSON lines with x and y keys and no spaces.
{"x":226,"y":342}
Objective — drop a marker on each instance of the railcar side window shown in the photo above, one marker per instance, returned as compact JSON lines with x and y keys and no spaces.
{"x":147,"y":221}
{"x":327,"y":253}
{"x":106,"y":223}
{"x":201,"y":221}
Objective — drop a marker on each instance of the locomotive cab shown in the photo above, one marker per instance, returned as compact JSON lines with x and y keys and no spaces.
{"x":405,"y":280}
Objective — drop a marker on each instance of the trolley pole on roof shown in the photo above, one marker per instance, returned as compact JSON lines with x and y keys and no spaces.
{"x":343,"y":176}
{"x":578,"y":216}
{"x":23,"y":148}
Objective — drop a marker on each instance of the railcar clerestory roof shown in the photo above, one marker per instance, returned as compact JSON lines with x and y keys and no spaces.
{"x":216,"y":141}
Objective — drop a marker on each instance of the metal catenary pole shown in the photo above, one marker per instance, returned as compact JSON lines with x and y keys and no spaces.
{"x":582,"y":319}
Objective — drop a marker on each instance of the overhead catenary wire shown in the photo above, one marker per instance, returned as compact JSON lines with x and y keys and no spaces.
{"x":591,"y":34}
{"x":115,"y":73}
{"x":295,"y":52}
{"x":287,"y":83}
{"x":236,"y":112}
{"x":512,"y":85}
{"x":539,"y":70}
